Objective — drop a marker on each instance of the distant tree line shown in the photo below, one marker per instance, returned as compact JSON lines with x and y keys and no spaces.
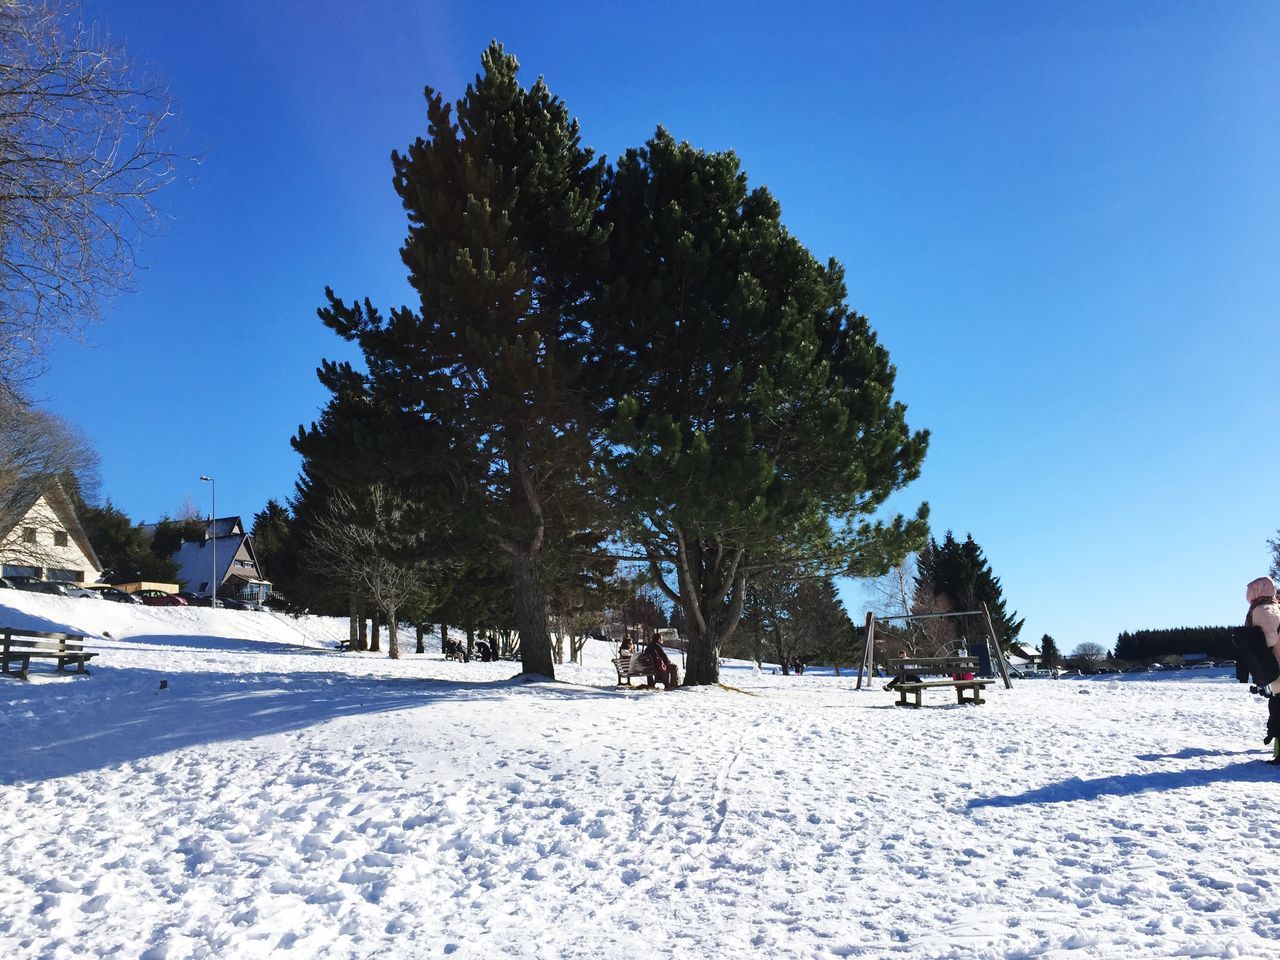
{"x":1150,"y":645}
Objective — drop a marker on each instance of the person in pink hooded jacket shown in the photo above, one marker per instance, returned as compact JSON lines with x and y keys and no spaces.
{"x":1264,"y":613}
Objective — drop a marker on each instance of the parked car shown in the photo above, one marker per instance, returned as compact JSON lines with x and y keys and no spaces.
{"x":277,"y":601}
{"x":1202,"y":665}
{"x":36,"y":585}
{"x":195,"y":599}
{"x":158,"y":598}
{"x":84,"y":593}
{"x":231,"y":603}
{"x":118,"y":596}
{"x":5,"y":584}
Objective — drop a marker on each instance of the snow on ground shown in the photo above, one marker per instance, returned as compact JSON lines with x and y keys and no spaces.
{"x":282,"y":799}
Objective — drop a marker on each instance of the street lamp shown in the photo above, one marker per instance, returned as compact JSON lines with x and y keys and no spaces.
{"x":213,"y":540}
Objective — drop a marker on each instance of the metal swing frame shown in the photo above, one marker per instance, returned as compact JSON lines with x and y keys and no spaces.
{"x":867,"y":666}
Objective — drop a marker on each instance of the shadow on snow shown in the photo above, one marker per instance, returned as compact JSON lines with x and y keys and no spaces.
{"x":73,"y":725}
{"x":1129,"y":784}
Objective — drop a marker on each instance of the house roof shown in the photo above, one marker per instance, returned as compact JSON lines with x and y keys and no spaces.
{"x":221,"y":527}
{"x":195,"y":559}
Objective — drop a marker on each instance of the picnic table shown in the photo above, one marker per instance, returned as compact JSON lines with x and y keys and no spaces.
{"x":958,"y":668}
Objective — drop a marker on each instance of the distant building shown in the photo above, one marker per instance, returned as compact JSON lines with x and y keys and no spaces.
{"x":1023,"y":656}
{"x":40,"y":536}
{"x":238,"y":575}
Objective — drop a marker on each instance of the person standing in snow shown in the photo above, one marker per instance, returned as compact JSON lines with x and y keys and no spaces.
{"x":1264,"y":612}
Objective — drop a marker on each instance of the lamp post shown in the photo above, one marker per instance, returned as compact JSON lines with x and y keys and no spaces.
{"x":213,"y":540}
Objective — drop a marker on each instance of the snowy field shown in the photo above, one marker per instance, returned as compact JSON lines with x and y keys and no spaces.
{"x":281,"y":799}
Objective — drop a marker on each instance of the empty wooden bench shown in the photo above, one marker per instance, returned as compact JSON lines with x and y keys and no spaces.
{"x":967,"y":691}
{"x":642,"y":666}
{"x":20,"y":647}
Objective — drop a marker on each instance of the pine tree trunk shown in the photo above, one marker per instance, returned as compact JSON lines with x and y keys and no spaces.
{"x":444,"y":636}
{"x":393,"y":634}
{"x":471,"y":642}
{"x":353,"y":612}
{"x":421,"y":647}
{"x":363,"y":643}
{"x":782,"y":655}
{"x":375,"y":646}
{"x":531,"y":616}
{"x":711,"y":616}
{"x":702,"y":659}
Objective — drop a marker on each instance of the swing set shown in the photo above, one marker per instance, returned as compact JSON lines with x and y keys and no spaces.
{"x":994,"y":653}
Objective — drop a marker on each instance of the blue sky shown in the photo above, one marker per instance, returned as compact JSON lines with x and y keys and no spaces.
{"x":1063,"y":221}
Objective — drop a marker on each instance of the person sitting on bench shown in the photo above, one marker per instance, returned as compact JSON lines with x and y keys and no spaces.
{"x":627,"y":648}
{"x":664,"y":671}
{"x":901,"y":677}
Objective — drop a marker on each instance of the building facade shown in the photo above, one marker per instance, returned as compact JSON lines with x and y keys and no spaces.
{"x":41,"y":537}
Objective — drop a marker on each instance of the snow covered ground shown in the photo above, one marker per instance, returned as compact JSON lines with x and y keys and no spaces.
{"x":282,"y":799}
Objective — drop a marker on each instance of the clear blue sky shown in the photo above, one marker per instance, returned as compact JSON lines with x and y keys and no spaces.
{"x":1063,"y":220}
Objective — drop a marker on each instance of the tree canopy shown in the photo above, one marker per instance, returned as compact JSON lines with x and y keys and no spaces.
{"x":751,"y":421}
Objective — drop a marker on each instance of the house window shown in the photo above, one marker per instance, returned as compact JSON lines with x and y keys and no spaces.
{"x":18,"y":570}
{"x":60,"y":538}
{"x":28,"y":534}
{"x":65,"y":576}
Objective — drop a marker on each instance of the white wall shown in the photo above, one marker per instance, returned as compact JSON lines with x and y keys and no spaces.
{"x":44,"y":552}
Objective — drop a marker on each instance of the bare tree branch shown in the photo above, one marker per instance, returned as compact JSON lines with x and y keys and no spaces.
{"x":81,"y":158}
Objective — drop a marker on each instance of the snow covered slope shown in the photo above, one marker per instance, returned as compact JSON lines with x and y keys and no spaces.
{"x":283,"y":799}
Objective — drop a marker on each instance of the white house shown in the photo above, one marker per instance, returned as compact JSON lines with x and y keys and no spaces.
{"x":40,"y":536}
{"x":228,"y":545}
{"x":1023,"y":656}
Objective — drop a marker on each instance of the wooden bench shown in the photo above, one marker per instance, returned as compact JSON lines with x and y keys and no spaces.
{"x":924,"y":666}
{"x":346,"y":645}
{"x":641,"y":667}
{"x":22,"y":646}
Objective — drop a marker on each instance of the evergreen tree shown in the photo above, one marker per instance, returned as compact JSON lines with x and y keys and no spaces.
{"x":502,"y":203}
{"x":272,"y":533}
{"x":751,"y":418}
{"x":825,"y":634}
{"x":123,"y":550}
{"x":368,"y":471}
{"x":769,"y":613}
{"x":1049,"y":655}
{"x":955,"y":576}
{"x":168,"y":536}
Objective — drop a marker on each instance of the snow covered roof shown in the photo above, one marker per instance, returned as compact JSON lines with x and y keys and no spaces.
{"x":226,"y":527}
{"x":195,"y":560}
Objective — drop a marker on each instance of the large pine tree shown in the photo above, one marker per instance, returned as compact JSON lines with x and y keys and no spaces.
{"x":503,"y":205}
{"x":752,"y":420}
{"x":954,"y":576}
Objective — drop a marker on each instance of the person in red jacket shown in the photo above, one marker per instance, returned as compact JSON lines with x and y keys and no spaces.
{"x":664,"y":671}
